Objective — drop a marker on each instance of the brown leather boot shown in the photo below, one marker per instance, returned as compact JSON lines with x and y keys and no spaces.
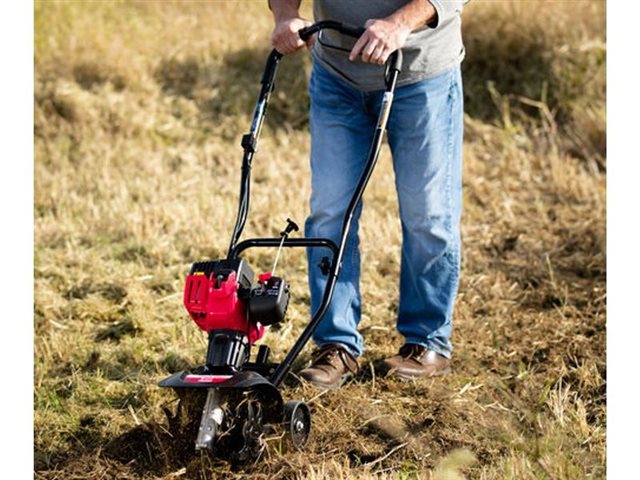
{"x":415,"y":361}
{"x":332,"y":364}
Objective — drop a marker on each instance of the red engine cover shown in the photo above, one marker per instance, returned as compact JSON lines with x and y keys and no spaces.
{"x":218,"y":308}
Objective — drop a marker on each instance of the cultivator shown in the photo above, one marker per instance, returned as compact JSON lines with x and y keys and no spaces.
{"x":235,"y":399}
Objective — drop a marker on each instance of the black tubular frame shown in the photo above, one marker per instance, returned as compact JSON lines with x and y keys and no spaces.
{"x":250,"y":143}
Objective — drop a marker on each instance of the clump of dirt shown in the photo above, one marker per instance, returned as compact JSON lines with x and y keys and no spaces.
{"x":158,"y":448}
{"x":149,"y":447}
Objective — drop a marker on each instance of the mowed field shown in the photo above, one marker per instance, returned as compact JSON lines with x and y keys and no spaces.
{"x":139,"y":111}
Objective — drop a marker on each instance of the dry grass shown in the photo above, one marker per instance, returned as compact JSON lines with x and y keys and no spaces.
{"x":138,"y":115}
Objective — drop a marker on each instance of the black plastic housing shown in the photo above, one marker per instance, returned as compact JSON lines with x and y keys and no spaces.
{"x":227,"y":349}
{"x":269,"y":301}
{"x":223,"y":267}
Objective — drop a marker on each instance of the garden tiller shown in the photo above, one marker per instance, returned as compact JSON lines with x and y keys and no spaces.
{"x":237,"y":399}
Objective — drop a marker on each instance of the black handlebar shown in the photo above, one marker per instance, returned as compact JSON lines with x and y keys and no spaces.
{"x":344,"y":28}
{"x":394,"y":63}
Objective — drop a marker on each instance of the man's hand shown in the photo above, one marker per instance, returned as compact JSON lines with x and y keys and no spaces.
{"x":380,"y":39}
{"x":285,"y":38}
{"x":384,"y":36}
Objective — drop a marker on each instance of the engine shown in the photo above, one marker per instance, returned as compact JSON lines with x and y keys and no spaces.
{"x":223,"y":301}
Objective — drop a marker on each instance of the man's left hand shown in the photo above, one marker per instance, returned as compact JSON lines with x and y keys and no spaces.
{"x":381,"y":38}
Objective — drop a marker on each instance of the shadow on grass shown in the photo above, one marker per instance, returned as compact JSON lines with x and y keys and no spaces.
{"x":230,"y":88}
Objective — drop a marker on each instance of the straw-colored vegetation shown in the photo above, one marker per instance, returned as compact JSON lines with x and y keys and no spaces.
{"x":139,"y":110}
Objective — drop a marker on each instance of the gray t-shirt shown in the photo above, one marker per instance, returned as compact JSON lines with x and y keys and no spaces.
{"x":427,"y":52}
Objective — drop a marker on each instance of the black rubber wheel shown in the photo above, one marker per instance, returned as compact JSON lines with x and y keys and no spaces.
{"x":297,"y":422}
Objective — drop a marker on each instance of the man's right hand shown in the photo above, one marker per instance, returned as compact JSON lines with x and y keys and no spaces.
{"x":285,"y":38}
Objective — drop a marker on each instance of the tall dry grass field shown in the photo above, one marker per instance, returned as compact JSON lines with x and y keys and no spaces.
{"x":139,"y":110}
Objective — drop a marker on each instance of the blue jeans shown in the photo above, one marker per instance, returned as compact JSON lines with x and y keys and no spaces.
{"x":425,"y":135}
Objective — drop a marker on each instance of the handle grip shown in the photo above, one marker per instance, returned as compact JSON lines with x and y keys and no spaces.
{"x":346,"y":29}
{"x":392,"y":69}
{"x":394,"y":62}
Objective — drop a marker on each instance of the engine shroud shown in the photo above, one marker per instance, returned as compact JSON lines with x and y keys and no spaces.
{"x":216,"y":294}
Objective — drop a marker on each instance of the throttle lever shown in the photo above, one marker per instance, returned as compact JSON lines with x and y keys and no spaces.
{"x":291,"y":227}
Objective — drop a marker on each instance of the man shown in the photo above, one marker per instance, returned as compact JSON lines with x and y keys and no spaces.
{"x":425,"y":136}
